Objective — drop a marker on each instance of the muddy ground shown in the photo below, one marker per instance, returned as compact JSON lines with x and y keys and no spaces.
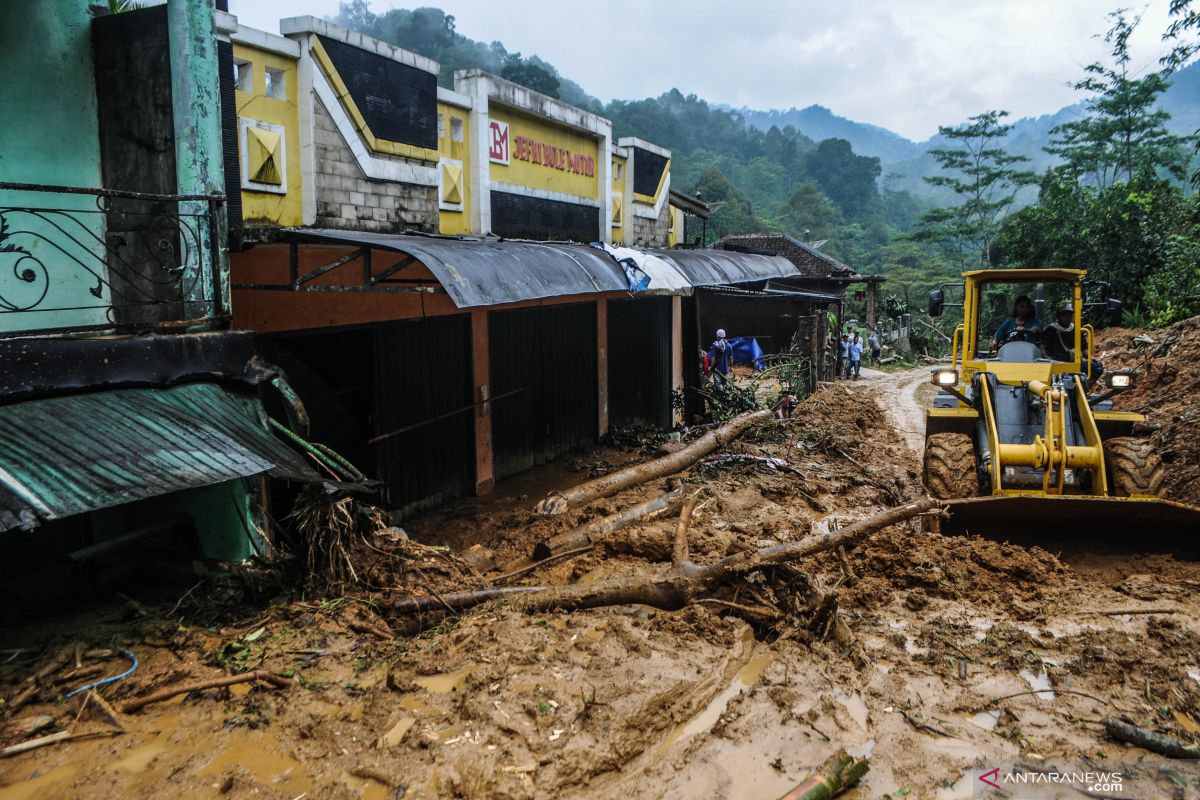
{"x":932,"y":655}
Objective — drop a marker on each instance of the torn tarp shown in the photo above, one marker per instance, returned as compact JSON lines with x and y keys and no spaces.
{"x":72,"y":454}
{"x":647,"y":272}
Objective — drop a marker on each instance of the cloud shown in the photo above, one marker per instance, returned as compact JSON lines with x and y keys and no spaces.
{"x":908,"y":65}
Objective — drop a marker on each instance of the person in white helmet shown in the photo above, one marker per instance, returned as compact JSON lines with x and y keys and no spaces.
{"x":720,"y":356}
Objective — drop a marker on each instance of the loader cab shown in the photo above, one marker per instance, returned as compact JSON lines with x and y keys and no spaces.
{"x":1006,"y":313}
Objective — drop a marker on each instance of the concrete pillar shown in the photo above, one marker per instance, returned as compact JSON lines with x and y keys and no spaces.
{"x":872,"y":287}
{"x":485,"y":477}
{"x":601,"y":367}
{"x":676,"y":354}
{"x":196,"y":104}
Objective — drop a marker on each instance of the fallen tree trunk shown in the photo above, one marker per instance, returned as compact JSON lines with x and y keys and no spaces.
{"x":576,"y":496}
{"x":683,"y":584}
{"x":1149,"y":740}
{"x":588,"y":535}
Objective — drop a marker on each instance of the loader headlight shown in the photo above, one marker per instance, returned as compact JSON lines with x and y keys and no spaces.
{"x":1121,"y":380}
{"x":945,"y":377}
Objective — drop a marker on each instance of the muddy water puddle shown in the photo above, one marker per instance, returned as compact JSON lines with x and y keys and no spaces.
{"x":745,"y":678}
{"x":33,"y":787}
{"x":443,"y":683}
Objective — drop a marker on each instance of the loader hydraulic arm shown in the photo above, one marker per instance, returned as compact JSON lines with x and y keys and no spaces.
{"x":1051,"y":451}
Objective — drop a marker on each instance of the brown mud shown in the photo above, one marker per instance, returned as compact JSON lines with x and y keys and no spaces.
{"x":944,"y":654}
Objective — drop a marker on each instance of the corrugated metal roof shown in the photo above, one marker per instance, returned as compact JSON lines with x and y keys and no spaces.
{"x":736,"y":291}
{"x":66,"y":455}
{"x":718,"y":267}
{"x":485,"y":272}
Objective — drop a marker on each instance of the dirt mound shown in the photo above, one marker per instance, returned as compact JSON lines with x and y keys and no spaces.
{"x":951,"y":567}
{"x":1167,"y":391}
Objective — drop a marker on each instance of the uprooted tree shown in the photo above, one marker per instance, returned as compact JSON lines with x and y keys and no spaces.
{"x":684,"y":583}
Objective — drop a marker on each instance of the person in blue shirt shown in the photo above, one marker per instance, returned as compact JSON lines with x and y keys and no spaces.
{"x":1023,"y":327}
{"x":856,"y":351}
{"x":720,"y":356}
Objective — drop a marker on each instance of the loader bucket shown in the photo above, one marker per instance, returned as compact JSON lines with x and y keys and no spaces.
{"x":1121,"y":524}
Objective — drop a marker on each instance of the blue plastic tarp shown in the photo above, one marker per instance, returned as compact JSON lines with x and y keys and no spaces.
{"x":746,"y":350}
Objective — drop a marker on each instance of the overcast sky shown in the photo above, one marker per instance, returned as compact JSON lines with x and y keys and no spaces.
{"x":907,"y":65}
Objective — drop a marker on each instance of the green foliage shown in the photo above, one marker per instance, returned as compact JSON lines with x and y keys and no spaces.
{"x":810,"y":213}
{"x":733,"y":211}
{"x":1124,"y":132}
{"x":431,"y":32}
{"x":530,"y":75}
{"x":1184,"y":33}
{"x":1141,"y":238}
{"x":986,"y":180}
{"x":848,"y":179}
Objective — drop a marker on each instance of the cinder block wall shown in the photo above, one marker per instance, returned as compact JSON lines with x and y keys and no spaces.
{"x":652,"y":232}
{"x":348,"y":200}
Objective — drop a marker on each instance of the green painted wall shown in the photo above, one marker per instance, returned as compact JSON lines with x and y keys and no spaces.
{"x":49,"y":135}
{"x":222,"y":515}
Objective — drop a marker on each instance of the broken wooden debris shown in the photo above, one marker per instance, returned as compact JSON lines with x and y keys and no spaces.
{"x":559,"y":502}
{"x":34,"y":682}
{"x":832,"y":778}
{"x":770,"y":462}
{"x":53,"y":738}
{"x":214,"y":683}
{"x":684,"y":583}
{"x":1123,"y":731}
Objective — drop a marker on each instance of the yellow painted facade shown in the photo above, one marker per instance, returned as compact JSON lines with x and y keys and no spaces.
{"x":617,"y":173}
{"x":265,"y":147}
{"x":454,"y":167}
{"x":546,"y":156}
{"x":675,"y":232}
{"x":374,"y":143}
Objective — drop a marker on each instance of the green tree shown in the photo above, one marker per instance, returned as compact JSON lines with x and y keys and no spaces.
{"x":808,"y":214}
{"x":734,"y":212}
{"x":1184,"y":34}
{"x":1124,"y":132}
{"x":1139,"y":237}
{"x":530,"y":75}
{"x":984,"y":177}
{"x":846,"y":178}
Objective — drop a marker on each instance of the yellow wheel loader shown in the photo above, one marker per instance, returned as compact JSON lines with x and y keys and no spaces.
{"x":1021,"y":434}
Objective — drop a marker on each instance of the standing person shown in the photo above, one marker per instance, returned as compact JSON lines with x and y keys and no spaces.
{"x":856,"y":351}
{"x":720,"y":356}
{"x":875,"y":343}
{"x":843,"y":357}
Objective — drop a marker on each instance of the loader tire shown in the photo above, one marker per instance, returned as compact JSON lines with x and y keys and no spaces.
{"x":1133,"y":467}
{"x":950,"y":466}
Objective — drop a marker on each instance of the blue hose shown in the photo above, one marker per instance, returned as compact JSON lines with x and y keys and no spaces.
{"x":100,"y":683}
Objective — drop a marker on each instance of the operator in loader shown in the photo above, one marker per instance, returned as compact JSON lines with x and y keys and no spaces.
{"x":1058,"y":341}
{"x":1023,"y":327}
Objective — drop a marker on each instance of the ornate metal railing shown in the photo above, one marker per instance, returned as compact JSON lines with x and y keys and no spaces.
{"x":78,"y":259}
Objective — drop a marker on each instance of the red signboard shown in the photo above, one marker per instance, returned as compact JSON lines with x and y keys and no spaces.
{"x":498,"y":151}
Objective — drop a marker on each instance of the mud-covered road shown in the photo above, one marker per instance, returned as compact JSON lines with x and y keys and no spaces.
{"x":932,"y":656}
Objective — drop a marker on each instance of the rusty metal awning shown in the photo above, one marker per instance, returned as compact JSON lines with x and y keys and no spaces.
{"x":727,"y":267}
{"x":72,"y":454}
{"x":485,"y":272}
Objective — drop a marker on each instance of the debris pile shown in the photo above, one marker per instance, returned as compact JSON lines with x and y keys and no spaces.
{"x":1167,"y":390}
